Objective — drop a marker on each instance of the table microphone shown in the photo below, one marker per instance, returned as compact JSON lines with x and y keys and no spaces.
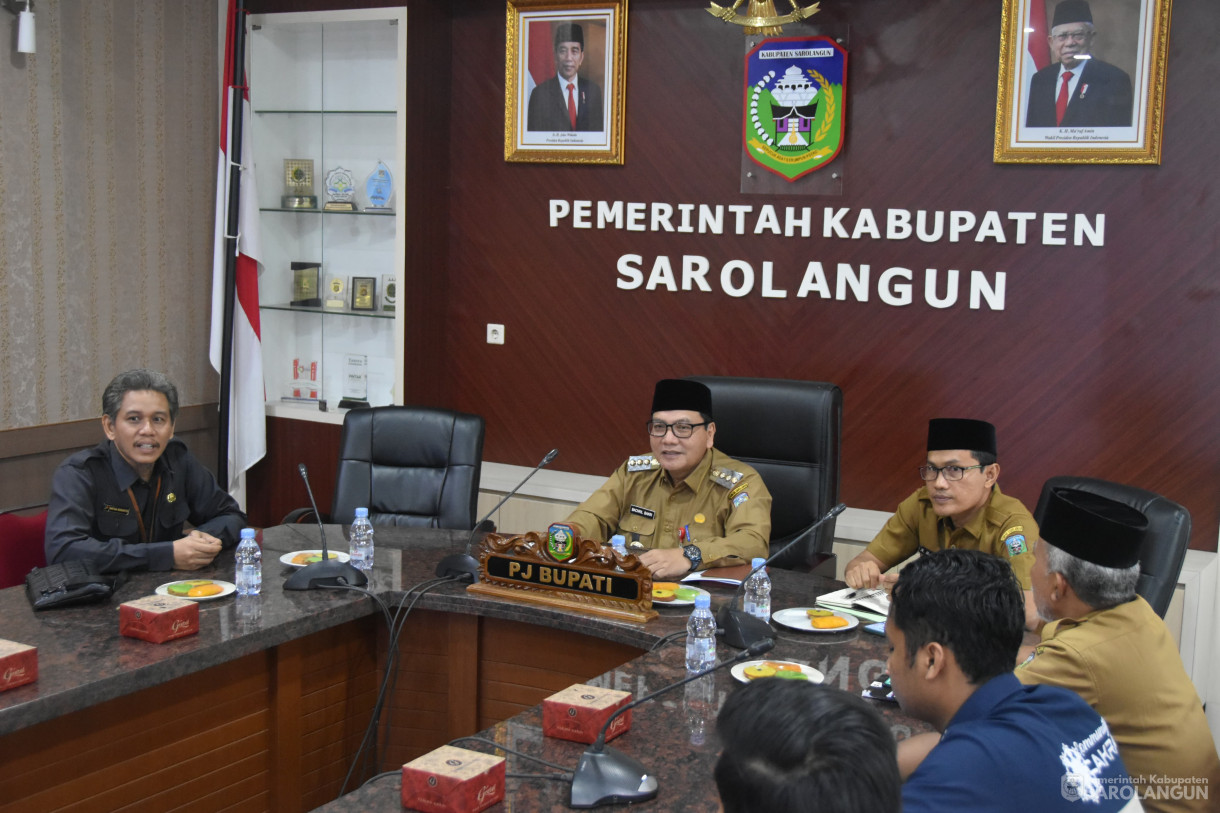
{"x":328,"y":572}
{"x":608,"y":776}
{"x":463,"y":567}
{"x":740,"y":629}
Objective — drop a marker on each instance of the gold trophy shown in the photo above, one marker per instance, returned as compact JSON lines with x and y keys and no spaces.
{"x":298,"y":184}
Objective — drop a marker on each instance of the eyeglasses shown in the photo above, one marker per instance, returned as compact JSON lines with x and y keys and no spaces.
{"x":952,"y":473}
{"x":681,"y":430}
{"x":1074,"y":36}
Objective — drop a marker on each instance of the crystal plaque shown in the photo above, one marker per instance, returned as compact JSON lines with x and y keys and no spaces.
{"x":379,"y":187}
{"x":355,"y":381}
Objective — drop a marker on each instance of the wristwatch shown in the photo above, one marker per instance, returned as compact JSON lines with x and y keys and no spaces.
{"x":693,"y":553}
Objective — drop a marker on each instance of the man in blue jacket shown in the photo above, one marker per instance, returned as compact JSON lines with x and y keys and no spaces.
{"x":956,"y":622}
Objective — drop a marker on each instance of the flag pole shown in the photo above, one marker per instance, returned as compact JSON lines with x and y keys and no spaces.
{"x":236,"y":88}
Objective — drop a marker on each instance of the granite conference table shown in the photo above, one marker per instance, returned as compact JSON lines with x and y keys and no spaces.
{"x":266,"y":707}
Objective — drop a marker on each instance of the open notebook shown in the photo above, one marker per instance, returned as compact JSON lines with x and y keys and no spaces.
{"x":871,"y":602}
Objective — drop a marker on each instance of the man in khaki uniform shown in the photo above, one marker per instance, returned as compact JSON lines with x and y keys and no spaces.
{"x":688,"y":505}
{"x":960,"y":506}
{"x":1106,"y":644}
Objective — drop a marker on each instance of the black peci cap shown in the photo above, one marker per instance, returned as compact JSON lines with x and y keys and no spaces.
{"x":961,"y":433}
{"x":679,"y":393}
{"x":569,"y":32}
{"x":1093,"y":528}
{"x":1072,"y":11}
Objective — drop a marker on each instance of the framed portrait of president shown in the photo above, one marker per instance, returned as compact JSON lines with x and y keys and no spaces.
{"x":564,"y":81}
{"x":1082,"y":81}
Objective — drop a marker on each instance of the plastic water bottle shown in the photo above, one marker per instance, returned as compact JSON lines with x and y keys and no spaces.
{"x":361,"y":547}
{"x":248,"y":574}
{"x":698,"y":703}
{"x":619,"y":543}
{"x":701,"y":635}
{"x":757,"y":600}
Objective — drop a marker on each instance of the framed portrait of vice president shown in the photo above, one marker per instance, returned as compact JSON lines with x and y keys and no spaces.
{"x":1082,"y":81}
{"x":564,"y":82}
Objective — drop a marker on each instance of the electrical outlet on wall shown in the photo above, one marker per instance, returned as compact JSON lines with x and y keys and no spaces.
{"x":495,"y":334}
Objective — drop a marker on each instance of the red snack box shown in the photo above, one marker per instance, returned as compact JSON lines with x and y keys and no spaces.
{"x":453,"y":780}
{"x":158,"y":618}
{"x":18,"y":664}
{"x":578,"y":713}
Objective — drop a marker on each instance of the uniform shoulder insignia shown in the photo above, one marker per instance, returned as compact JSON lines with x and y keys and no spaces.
{"x":642,"y":462}
{"x":727,"y":478}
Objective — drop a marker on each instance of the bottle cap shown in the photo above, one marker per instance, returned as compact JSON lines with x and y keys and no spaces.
{"x":702,"y":601}
{"x":756,"y":561}
{"x":618,"y":540}
{"x":362,"y":513}
{"x":248,"y":533}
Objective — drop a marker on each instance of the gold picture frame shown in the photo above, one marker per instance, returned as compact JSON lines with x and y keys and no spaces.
{"x":1123,"y":38}
{"x":541,"y":123}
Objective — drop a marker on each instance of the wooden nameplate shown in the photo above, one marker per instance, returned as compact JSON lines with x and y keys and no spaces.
{"x":591,"y":579}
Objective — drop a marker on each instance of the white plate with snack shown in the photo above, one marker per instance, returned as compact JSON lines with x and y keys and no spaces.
{"x":673,"y":594}
{"x":753,"y":670}
{"x":300,"y":558}
{"x":815,"y":619}
{"x":197,"y":589}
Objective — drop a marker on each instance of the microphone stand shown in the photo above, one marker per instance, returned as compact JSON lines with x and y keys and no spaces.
{"x":739,"y":628}
{"x":328,"y":572}
{"x":463,"y":567}
{"x":608,"y":776}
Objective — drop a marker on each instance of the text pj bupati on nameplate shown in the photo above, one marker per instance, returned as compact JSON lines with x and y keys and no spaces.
{"x":593,"y":579}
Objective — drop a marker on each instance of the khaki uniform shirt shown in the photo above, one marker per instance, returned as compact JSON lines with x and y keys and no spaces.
{"x":1125,"y":665}
{"x":723,"y":504}
{"x":1003,"y":528}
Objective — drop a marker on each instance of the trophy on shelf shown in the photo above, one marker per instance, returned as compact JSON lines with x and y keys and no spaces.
{"x":304,"y":386}
{"x":305,"y":285}
{"x":364,"y":293}
{"x":389,"y":292}
{"x":355,"y":381}
{"x":340,"y":189}
{"x":336,"y":292}
{"x":379,"y":187}
{"x":298,"y":184}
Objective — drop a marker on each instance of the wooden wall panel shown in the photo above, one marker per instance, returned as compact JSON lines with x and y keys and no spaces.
{"x":126,"y":751}
{"x":1104,"y":362}
{"x":275,"y":486}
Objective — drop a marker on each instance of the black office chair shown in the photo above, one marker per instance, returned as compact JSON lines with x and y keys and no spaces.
{"x":412,"y":466}
{"x":1164,"y":547}
{"x":790,"y":432}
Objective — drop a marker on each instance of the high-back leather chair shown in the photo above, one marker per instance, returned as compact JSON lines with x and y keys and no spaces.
{"x":409,"y":465}
{"x":790,"y":432}
{"x":21,"y":546}
{"x":1165,"y":544}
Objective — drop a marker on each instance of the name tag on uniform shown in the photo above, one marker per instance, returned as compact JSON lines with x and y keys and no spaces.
{"x":643,"y":512}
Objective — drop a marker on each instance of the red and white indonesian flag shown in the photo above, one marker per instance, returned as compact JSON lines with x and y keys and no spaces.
{"x":247,"y":417}
{"x":540,"y":64}
{"x":1036,"y":43}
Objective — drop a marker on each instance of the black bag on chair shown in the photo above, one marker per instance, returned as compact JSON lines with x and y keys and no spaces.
{"x":69,"y":583}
